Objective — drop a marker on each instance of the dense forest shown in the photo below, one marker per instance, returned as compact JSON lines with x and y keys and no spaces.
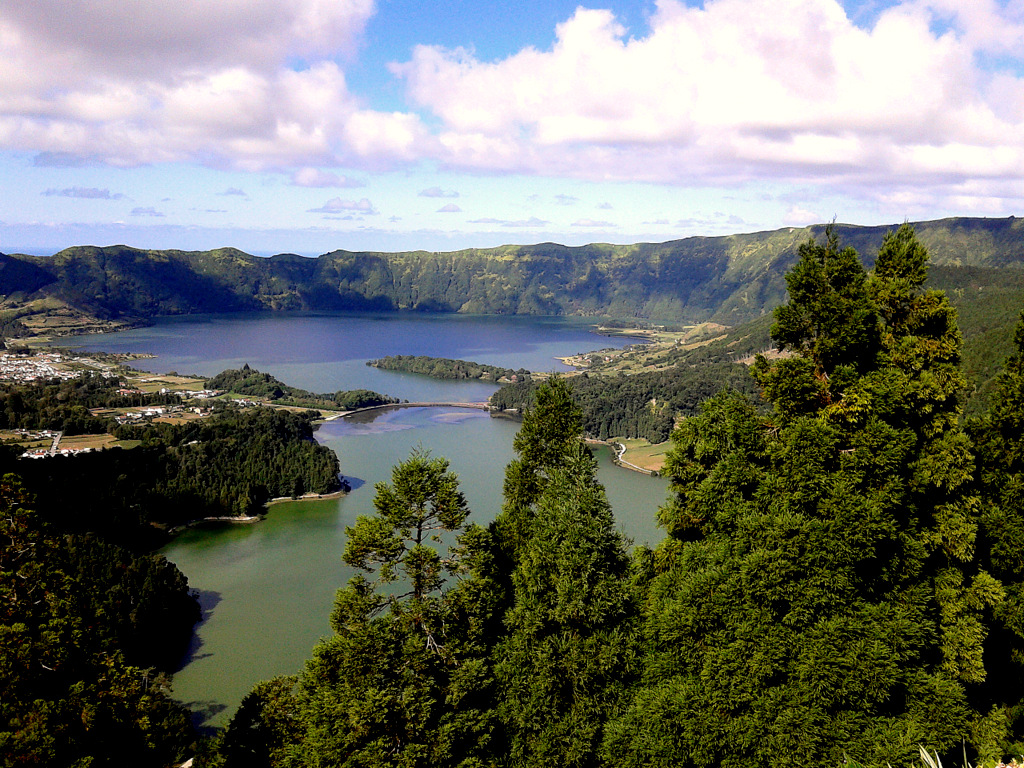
{"x":639,"y":405}
{"x":446,"y":368}
{"x":66,"y":404}
{"x":229,"y":464}
{"x":88,"y":634}
{"x":91,"y":623}
{"x":728,"y":279}
{"x":840,"y":581}
{"x":252,"y":383}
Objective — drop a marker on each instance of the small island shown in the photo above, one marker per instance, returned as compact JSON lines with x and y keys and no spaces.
{"x":446,"y":368}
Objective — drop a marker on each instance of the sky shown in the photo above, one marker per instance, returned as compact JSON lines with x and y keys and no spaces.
{"x":307,"y":126}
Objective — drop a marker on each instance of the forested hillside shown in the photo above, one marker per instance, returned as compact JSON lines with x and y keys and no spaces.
{"x":840,"y":581}
{"x":726,"y":279}
{"x":643,"y":404}
{"x":231,"y":463}
{"x":252,"y":383}
{"x":88,"y":634}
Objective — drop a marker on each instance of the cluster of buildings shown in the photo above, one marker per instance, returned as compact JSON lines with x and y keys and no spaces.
{"x":53,"y":450}
{"x":42,"y":453}
{"x":202,"y":394}
{"x":148,"y":412}
{"x":41,"y":366}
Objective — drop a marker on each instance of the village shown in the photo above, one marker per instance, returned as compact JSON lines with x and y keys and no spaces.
{"x":28,"y":366}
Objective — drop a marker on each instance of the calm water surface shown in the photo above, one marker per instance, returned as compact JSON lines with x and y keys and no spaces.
{"x":267,"y":589}
{"x":327,"y":352}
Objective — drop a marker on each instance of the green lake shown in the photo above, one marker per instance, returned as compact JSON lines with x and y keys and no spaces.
{"x":267,"y":588}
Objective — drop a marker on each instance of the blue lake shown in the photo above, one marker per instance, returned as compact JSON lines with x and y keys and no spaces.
{"x":267,"y":589}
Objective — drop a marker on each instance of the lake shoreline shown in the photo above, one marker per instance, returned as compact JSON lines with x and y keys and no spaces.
{"x":305,"y":497}
{"x":250,"y":519}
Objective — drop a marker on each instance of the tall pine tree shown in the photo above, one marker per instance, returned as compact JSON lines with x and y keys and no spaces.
{"x":569,"y":653}
{"x":398,"y":684}
{"x":819,"y":593}
{"x":999,"y":438}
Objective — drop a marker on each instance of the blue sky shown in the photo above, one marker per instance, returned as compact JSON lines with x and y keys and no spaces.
{"x":313,"y":125}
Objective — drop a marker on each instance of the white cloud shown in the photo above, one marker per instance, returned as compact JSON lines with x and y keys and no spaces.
{"x":189,"y":80}
{"x":337,"y":205}
{"x":737,"y":90}
{"x":437,"y":192}
{"x":450,"y":208}
{"x":533,"y":223}
{"x":928,"y":94}
{"x":592,"y":223}
{"x":148,"y":211}
{"x":86,"y":193}
{"x":314,"y":177}
{"x":800,"y":217}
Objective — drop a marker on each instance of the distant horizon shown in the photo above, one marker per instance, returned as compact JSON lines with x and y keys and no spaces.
{"x":42,"y":250}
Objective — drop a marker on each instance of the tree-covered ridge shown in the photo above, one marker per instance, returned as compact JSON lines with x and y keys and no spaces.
{"x":229,"y":464}
{"x":647,"y":404}
{"x":840,"y":580}
{"x":725,"y":279}
{"x":87,"y":632}
{"x":447,"y":368}
{"x":821,"y":592}
{"x":642,"y":405}
{"x":249,"y":382}
{"x":682,"y":376}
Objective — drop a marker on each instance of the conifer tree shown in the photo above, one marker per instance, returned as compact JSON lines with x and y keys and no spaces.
{"x":403,"y":681}
{"x":422,"y":502}
{"x":819,"y":594}
{"x":568,"y":656}
{"x":550,"y":430}
{"x":999,"y":438}
{"x":569,"y":616}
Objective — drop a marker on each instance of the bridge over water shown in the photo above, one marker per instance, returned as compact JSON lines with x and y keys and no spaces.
{"x":343,"y":414}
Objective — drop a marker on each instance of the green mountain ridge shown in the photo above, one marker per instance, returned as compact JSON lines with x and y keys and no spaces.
{"x":729,"y":279}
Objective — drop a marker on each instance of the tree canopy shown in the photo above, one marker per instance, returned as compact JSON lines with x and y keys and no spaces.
{"x":820,"y":593}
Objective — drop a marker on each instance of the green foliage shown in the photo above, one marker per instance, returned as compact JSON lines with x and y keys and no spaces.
{"x":828,"y":319}
{"x":422,"y":502}
{"x":65,"y":404}
{"x":446,"y":368}
{"x":405,"y":680}
{"x":521,"y":662}
{"x":639,"y":405}
{"x":550,"y":430}
{"x":569,"y":655}
{"x":999,"y":438}
{"x":264,"y":725}
{"x":228,"y":464}
{"x":83,"y":628}
{"x":819,"y":594}
{"x":252,"y":383}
